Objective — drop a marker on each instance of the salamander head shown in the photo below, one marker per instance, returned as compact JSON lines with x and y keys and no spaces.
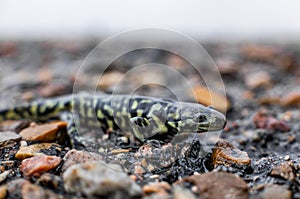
{"x":196,"y":118}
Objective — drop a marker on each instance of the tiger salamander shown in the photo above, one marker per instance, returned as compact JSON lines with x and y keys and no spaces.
{"x":145,"y":117}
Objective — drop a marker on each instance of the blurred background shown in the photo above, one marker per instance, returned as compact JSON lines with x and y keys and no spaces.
{"x":43,"y":44}
{"x":200,"y":19}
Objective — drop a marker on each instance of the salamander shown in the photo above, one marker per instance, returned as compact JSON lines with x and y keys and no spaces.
{"x":143,"y":116}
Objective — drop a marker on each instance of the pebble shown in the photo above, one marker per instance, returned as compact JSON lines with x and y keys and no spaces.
{"x":53,"y":89}
{"x":50,"y":180}
{"x":4,"y":175}
{"x":39,"y":164}
{"x":31,"y":191}
{"x":3,"y":191}
{"x":96,"y":179}
{"x":44,"y":132}
{"x":291,"y":99}
{"x":14,"y":187}
{"x":260,"y":79}
{"x":74,"y":156}
{"x":208,"y":98}
{"x":275,"y":192}
{"x":160,"y":189}
{"x":109,"y":79}
{"x":261,"y":119}
{"x":259,"y":52}
{"x":9,"y":139}
{"x":224,"y":153}
{"x":284,"y":170}
{"x":14,"y":125}
{"x":217,"y":185}
{"x":227,"y":66}
{"x":182,"y":193}
{"x":34,"y":150}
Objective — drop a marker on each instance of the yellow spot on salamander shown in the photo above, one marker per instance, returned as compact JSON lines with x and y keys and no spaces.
{"x":134,"y":104}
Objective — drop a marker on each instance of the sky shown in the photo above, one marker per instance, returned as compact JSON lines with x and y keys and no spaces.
{"x":203,"y":19}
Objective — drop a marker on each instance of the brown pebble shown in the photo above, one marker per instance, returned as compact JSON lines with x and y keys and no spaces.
{"x":3,"y":191}
{"x":227,"y":66}
{"x":53,"y":89}
{"x":9,"y":139}
{"x":260,"y":79}
{"x":39,"y":164}
{"x":31,"y":191}
{"x":160,"y":188}
{"x":291,"y":99}
{"x":217,"y":185}
{"x":284,"y":170}
{"x":109,"y":79}
{"x":262,"y":120}
{"x":224,"y":153}
{"x":34,"y":150}
{"x":45,"y":132}
{"x":14,"y":125}
{"x":275,"y":192}
{"x":207,"y":98}
{"x":14,"y":187}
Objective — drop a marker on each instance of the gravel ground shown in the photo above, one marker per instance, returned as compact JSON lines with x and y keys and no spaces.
{"x":255,"y":156}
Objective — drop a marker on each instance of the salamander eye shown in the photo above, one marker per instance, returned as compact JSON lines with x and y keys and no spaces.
{"x":199,"y":118}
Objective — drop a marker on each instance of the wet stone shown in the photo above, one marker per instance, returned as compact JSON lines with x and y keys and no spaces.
{"x":9,"y":139}
{"x":95,"y":179}
{"x":14,"y":125}
{"x":75,"y":157}
{"x":217,"y":185}
{"x":45,"y":132}
{"x":34,"y":150}
{"x":224,"y":153}
{"x":39,"y":164}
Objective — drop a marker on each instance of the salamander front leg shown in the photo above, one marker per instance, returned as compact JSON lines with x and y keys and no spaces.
{"x":75,"y":139}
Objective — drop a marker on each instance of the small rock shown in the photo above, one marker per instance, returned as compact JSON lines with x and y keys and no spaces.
{"x":209,"y":98}
{"x":34,"y":150}
{"x":14,"y":187}
{"x":258,"y":52}
{"x":74,"y":156}
{"x":109,"y":79}
{"x":224,"y":153}
{"x":275,"y":192}
{"x":9,"y":139}
{"x":54,"y":89}
{"x":217,"y":185}
{"x":160,"y":189}
{"x":259,"y":79}
{"x":39,"y":164}
{"x":50,"y":180}
{"x":3,"y":191}
{"x":227,"y":66}
{"x":45,"y":132}
{"x":284,"y":170}
{"x":182,"y":193}
{"x":30,"y":191}
{"x":291,"y":99}
{"x":262,"y":120}
{"x":4,"y":175}
{"x":14,"y":125}
{"x":95,"y":178}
